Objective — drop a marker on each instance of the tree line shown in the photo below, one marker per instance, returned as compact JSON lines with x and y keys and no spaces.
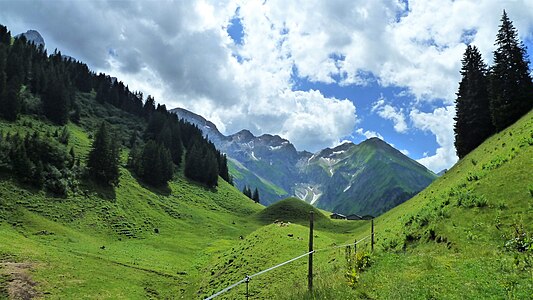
{"x":167,"y":143}
{"x":490,"y":99}
{"x":42,"y":161}
{"x":247,"y":191}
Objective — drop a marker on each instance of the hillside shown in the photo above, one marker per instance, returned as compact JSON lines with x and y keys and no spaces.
{"x":130,"y":242}
{"x":468,"y":235}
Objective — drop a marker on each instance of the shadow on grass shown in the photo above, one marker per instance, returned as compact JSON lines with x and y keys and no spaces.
{"x":103,"y":191}
{"x":158,"y":190}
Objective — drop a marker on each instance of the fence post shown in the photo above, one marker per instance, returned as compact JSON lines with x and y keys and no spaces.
{"x":372,"y":233}
{"x":355,"y":247}
{"x":310,"y":271}
{"x":247,"y":280}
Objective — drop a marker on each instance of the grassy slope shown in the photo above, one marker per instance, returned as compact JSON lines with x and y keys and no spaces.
{"x":267,"y":190}
{"x":427,"y":248}
{"x":278,"y":242}
{"x":438,"y":249}
{"x":64,"y":237}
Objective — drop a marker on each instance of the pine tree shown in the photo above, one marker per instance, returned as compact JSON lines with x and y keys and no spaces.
{"x":104,"y":158}
{"x":472,"y":121}
{"x":255,"y":196}
{"x":211,"y":169}
{"x":12,"y":103}
{"x":247,"y":192}
{"x":5,"y":35}
{"x":223,"y":167}
{"x":55,"y":100}
{"x":511,"y":88}
{"x":156,"y":164}
{"x":3,"y":78}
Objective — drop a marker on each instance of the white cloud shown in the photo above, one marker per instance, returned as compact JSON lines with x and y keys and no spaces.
{"x":181,"y":53}
{"x":440,"y":123}
{"x":388,"y":112}
{"x":368,"y":133}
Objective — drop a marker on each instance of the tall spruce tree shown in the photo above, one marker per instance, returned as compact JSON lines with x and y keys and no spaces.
{"x":473,"y":123}
{"x":3,"y":77}
{"x":255,"y":196}
{"x":104,"y":158}
{"x":55,"y":99}
{"x":155,"y":165}
{"x":511,"y":88}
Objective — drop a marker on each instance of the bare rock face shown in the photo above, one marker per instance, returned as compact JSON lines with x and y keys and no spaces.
{"x":33,"y":36}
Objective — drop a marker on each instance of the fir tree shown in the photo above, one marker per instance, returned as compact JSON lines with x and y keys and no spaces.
{"x":10,"y":104}
{"x":55,"y":100}
{"x":3,"y":78}
{"x":472,"y":121}
{"x":247,"y":192}
{"x":511,"y":88}
{"x":223,"y":167}
{"x":5,"y":35}
{"x":156,"y":164}
{"x":255,"y":196}
{"x":104,"y":158}
{"x":201,"y":164}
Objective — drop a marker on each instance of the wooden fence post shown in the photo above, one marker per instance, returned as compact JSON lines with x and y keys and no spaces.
{"x":310,"y":271}
{"x":372,"y":233}
{"x":247,"y":281}
{"x":355,"y":247}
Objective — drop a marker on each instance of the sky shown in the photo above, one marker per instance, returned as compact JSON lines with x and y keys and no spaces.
{"x":315,"y":72}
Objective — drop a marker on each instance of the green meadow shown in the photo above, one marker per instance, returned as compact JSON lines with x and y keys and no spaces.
{"x":456,"y":239}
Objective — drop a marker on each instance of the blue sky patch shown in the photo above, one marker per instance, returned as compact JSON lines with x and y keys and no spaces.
{"x":235,"y":29}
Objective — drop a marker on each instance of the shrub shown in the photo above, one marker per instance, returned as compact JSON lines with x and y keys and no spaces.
{"x":468,"y":199}
{"x":473,"y":177}
{"x":356,"y":264}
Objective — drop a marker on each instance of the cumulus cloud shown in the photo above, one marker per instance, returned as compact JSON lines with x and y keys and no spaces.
{"x":389,"y":112}
{"x":440,"y":123}
{"x":368,"y":133}
{"x":180,"y":52}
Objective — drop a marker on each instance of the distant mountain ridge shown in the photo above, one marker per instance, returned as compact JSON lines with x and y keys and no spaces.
{"x":368,"y":178}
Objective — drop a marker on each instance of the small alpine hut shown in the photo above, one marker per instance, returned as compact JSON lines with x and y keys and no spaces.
{"x":354,"y":217}
{"x":337,"y":216}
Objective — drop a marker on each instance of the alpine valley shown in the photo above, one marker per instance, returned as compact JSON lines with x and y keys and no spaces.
{"x":364,"y":179}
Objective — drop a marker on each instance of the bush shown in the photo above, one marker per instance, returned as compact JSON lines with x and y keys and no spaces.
{"x":468,"y":199}
{"x":356,"y":263}
{"x":55,"y":182}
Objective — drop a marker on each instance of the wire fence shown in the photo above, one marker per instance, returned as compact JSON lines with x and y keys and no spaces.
{"x":248,"y":277}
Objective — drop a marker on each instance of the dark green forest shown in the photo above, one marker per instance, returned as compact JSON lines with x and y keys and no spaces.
{"x":490,"y":99}
{"x":49,"y":87}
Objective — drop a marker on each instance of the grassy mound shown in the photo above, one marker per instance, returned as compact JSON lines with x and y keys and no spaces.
{"x":291,"y":210}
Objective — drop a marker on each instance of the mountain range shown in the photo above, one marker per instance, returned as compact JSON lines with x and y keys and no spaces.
{"x":367,"y":178}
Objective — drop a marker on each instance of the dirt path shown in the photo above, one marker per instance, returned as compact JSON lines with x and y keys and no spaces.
{"x":20,"y":285}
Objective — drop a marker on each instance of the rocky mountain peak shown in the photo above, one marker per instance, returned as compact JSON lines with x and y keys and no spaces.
{"x":243,"y":136}
{"x":33,"y":36}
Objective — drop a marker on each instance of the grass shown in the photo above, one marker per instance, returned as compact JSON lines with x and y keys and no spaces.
{"x":131,"y":242}
{"x":448,"y":241}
